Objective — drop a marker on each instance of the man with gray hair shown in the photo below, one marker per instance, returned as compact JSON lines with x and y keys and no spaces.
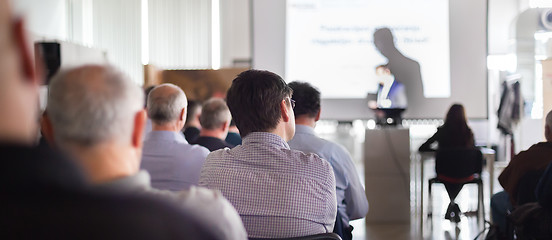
{"x":215,"y":121}
{"x":44,"y":196}
{"x":173,"y":163}
{"x":97,"y":116}
{"x":536,"y":158}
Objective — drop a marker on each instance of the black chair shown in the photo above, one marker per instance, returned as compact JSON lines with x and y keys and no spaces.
{"x":533,"y":220}
{"x":525,"y":193}
{"x":322,"y":236}
{"x":526,"y":187}
{"x":456,"y":167}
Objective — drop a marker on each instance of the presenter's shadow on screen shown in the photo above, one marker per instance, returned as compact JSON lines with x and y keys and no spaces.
{"x":406,"y":70}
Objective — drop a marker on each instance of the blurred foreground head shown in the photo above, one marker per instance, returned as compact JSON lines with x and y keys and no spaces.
{"x":96,"y":114}
{"x":18,"y":81}
{"x":93,"y":104}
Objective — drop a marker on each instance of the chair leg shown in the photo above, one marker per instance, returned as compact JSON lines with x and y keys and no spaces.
{"x":430,"y":199}
{"x":480,"y":201}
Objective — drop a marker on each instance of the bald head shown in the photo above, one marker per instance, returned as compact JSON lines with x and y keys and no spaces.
{"x":93,"y":104}
{"x":18,"y":81}
{"x":167,"y":104}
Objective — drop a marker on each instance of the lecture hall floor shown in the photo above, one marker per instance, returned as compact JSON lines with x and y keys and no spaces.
{"x":468,"y":228}
{"x":441,"y":229}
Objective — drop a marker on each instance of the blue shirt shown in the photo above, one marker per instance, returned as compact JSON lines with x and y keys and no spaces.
{"x":172,"y":163}
{"x":278,"y":192}
{"x":351,"y":198}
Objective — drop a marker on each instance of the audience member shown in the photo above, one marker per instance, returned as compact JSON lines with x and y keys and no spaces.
{"x":543,"y":191}
{"x":537,"y":157}
{"x":215,"y":121}
{"x":173,"y":163}
{"x":278,"y":192}
{"x":44,"y":195}
{"x":454,"y":133}
{"x":233,"y":136}
{"x":532,"y":220}
{"x":192,"y":125}
{"x":97,"y":116}
{"x":351,"y":198}
{"x":148,"y":127}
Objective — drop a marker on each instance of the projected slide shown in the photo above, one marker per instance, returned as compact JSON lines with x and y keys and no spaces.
{"x":330,"y":43}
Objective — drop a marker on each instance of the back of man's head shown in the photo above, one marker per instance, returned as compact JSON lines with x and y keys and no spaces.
{"x":93,"y":104}
{"x":307,"y":99}
{"x":194,"y":109}
{"x":18,"y":81}
{"x":146,"y":93}
{"x":254,"y":100}
{"x":165,"y":104}
{"x":214,"y":113}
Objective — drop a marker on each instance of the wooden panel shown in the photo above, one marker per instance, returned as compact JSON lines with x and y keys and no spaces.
{"x":201,"y":85}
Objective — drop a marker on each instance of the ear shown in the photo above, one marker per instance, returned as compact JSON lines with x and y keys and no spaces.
{"x":47,"y":129}
{"x":183,"y":115}
{"x":318,"y":115}
{"x":547,"y":133}
{"x":225,"y":125}
{"x":27,"y":62}
{"x":139,"y":127}
{"x":285,"y":111}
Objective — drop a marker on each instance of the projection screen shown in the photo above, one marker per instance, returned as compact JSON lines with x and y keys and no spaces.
{"x":440,"y":44}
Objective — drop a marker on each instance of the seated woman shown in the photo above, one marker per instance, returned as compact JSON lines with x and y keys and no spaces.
{"x":454,"y":133}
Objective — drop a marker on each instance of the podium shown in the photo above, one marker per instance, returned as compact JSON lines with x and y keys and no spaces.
{"x":387,"y":175}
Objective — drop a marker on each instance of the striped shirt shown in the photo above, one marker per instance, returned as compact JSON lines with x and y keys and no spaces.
{"x":278,"y":192}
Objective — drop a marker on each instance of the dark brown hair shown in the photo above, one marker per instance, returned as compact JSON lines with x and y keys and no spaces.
{"x":456,"y":128}
{"x":254,"y":100}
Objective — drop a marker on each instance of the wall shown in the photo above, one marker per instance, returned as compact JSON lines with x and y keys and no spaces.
{"x":502,"y":15}
{"x":44,"y":18}
{"x":235,"y":31}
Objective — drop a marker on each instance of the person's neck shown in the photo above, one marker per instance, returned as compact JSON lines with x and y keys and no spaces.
{"x":106,"y":162}
{"x":216,"y":133}
{"x":281,"y":131}
{"x":171,"y":126}
{"x":11,"y":136}
{"x":233,"y":129}
{"x":305,"y":120}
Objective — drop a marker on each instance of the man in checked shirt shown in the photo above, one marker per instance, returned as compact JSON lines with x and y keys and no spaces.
{"x":278,"y":192}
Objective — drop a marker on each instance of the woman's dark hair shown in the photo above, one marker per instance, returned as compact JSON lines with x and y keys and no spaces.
{"x":254,"y":100}
{"x":456,"y":128}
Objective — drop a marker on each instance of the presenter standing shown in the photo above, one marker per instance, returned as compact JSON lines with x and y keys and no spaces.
{"x":391,"y":92}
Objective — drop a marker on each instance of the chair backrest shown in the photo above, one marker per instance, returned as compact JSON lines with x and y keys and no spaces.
{"x":525,"y":190}
{"x":322,"y":236}
{"x":458,"y":162}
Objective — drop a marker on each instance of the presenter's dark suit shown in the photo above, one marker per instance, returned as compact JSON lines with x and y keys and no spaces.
{"x":396,"y":94}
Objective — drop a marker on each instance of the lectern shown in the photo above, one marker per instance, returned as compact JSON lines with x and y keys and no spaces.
{"x":387,"y":174}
